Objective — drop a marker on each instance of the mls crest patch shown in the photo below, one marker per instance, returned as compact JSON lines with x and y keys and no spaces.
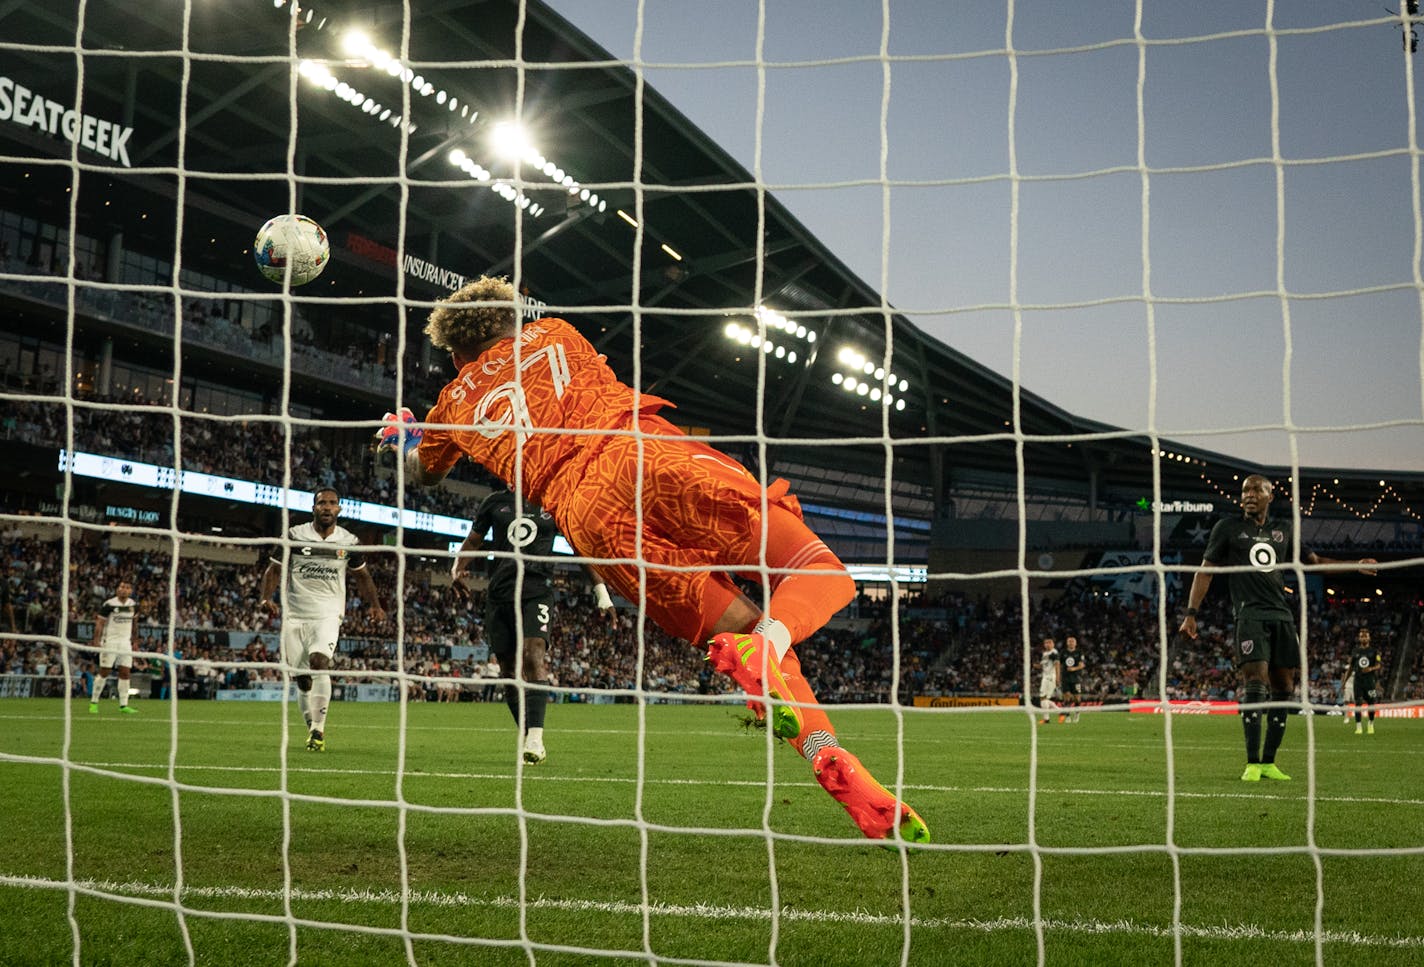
{"x":1248,"y":646}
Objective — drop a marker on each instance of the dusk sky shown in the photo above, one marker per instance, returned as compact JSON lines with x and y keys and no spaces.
{"x":1206,"y":288}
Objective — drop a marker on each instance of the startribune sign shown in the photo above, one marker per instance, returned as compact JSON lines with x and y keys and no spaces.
{"x":22,"y":106}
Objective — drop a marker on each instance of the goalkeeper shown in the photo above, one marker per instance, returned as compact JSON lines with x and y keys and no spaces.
{"x":625,"y":485}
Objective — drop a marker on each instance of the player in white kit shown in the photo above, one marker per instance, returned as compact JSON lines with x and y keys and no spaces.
{"x":1050,"y":668}
{"x":314,"y":602}
{"x":115,"y":631}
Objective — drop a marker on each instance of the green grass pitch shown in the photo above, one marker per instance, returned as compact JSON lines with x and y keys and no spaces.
{"x":668,"y":834}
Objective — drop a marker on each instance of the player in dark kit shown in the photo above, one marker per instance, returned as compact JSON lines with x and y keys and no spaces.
{"x":1267,"y":650}
{"x":1072,"y":686}
{"x":1364,"y":667}
{"x":512,"y":605}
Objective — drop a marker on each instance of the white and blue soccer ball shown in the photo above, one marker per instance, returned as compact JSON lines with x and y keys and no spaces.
{"x":291,"y":242}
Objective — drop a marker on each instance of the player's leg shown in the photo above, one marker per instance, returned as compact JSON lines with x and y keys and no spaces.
{"x":1372,"y":698}
{"x":1281,"y":674}
{"x":320,"y":695}
{"x":1253,"y":689}
{"x":534,"y":668}
{"x":123,"y":664}
{"x":318,"y":699}
{"x":101,"y":679}
{"x":752,"y":647}
{"x":500,"y":631}
{"x":294,"y":661}
{"x":760,"y":656}
{"x":1046,"y":705}
{"x":699,"y":507}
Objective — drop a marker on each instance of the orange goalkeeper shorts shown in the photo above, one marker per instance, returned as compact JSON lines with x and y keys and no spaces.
{"x":699,"y":516}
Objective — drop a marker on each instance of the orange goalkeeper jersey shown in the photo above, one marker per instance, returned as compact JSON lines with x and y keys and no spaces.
{"x":514,"y":418}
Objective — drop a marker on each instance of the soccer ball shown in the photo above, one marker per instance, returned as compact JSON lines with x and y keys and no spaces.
{"x":293,"y":241}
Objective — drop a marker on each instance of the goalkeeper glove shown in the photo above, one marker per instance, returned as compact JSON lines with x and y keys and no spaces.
{"x":390,"y":435}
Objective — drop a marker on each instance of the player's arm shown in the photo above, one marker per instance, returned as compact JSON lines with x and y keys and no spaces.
{"x":99,"y":622}
{"x":1201,"y":582}
{"x":600,"y":590}
{"x":1364,"y":563}
{"x":366,"y":587}
{"x":417,"y":473}
{"x":460,"y":567}
{"x":10,"y":616}
{"x":270,"y":579}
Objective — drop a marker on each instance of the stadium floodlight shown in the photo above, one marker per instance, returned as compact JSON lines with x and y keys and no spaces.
{"x":356,"y":43}
{"x":669,"y":250}
{"x":509,"y":140}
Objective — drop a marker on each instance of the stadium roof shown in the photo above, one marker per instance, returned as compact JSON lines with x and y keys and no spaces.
{"x":245,"y":126}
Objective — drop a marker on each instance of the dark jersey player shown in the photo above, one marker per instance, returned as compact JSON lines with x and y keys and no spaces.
{"x":519,"y":603}
{"x":1266,"y":650}
{"x":1364,"y":668}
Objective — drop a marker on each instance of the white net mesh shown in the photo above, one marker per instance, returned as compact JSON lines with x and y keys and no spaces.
{"x":1207,"y":216}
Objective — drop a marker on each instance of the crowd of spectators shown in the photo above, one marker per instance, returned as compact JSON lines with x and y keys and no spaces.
{"x":957,"y":646}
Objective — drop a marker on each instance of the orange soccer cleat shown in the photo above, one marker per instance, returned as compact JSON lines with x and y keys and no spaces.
{"x":740,"y":656}
{"x":874,"y":809}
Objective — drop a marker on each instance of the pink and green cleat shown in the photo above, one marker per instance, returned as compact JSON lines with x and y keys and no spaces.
{"x":740,"y":656}
{"x":878,"y":813}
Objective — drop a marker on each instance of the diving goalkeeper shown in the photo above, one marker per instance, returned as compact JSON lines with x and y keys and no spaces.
{"x":508,"y":408}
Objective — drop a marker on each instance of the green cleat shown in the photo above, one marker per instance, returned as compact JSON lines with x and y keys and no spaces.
{"x":316,"y":742}
{"x":1252,"y":773}
{"x":127,"y":710}
{"x":93,"y":708}
{"x":1370,"y":729}
{"x":1270,"y":771}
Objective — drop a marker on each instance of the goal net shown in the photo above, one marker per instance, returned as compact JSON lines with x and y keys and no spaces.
{"x":1014,"y":298}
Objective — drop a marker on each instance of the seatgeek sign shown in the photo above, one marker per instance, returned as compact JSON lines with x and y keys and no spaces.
{"x":22,"y":106}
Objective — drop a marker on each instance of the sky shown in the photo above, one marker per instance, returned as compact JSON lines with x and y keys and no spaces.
{"x":1265,"y":295}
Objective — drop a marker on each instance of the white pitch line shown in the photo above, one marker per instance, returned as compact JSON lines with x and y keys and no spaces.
{"x":436,"y":898}
{"x":532,"y":775}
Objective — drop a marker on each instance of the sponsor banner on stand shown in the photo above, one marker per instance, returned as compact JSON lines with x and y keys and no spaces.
{"x":1185,"y":707}
{"x":960,"y":701}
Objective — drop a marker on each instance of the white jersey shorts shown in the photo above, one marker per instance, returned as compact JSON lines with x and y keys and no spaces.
{"x":304,"y":637}
{"x":120,"y":655}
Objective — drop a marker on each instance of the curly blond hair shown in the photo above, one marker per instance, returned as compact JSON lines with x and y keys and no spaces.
{"x":482,"y":310}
